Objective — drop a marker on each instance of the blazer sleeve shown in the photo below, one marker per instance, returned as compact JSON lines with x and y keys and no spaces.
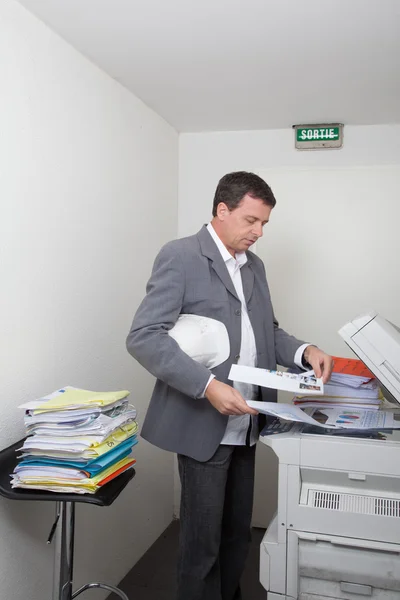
{"x":286,"y":346}
{"x":148,"y":340}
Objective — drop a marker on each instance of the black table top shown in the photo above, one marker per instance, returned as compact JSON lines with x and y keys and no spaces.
{"x":103,"y":497}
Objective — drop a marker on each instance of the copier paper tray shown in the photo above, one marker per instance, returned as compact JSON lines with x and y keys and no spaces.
{"x":327,"y":567}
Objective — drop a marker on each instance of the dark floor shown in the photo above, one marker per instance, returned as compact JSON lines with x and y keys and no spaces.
{"x":153,"y":577}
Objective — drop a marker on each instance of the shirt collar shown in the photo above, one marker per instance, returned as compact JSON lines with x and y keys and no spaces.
{"x":240,"y":257}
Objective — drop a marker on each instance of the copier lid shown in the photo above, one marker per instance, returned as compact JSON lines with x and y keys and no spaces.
{"x":376,"y":342}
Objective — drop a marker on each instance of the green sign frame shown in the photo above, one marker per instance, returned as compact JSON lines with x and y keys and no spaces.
{"x":314,"y":137}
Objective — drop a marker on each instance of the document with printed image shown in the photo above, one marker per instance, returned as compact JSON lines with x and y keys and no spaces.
{"x":288,"y":412}
{"x":357,"y":418}
{"x":303,"y":383}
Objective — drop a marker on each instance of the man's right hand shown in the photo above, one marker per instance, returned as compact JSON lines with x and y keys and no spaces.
{"x":227,"y":400}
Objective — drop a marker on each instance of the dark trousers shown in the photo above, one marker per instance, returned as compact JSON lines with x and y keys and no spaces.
{"x":215,"y":520}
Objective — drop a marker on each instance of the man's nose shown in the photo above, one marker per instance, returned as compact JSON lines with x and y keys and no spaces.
{"x":257,"y":229}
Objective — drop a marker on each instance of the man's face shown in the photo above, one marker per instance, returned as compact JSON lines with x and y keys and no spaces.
{"x":241,"y":227}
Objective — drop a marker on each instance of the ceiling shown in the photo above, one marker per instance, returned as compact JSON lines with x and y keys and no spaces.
{"x":209,"y":65}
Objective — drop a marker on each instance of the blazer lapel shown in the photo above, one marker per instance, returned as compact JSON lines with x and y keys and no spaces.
{"x":210,"y":250}
{"x":247,"y":279}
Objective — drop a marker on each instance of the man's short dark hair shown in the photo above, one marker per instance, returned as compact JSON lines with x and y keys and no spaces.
{"x":232,"y":188}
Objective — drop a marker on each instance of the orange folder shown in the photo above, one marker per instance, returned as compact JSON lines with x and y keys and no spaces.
{"x":118,"y":472}
{"x":351,"y":366}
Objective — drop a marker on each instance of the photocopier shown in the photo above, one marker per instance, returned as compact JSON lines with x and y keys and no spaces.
{"x":336,"y":533}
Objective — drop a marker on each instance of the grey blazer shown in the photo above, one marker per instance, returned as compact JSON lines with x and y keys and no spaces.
{"x":190,"y":276}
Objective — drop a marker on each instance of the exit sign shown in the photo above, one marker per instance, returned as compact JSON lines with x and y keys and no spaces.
{"x":311,"y":137}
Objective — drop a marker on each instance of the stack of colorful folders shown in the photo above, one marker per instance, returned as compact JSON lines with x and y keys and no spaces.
{"x":352,"y":385}
{"x":77,"y":441}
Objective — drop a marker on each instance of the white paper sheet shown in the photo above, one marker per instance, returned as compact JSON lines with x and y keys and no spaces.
{"x":338,"y":418}
{"x":304,"y":383}
{"x":358,"y":418}
{"x":288,"y":412}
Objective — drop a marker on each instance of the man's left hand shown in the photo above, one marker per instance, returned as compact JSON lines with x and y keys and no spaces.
{"x":321,"y":363}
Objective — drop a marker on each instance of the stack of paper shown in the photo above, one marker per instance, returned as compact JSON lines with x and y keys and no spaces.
{"x":78,"y":441}
{"x":351,"y":385}
{"x":331,"y":402}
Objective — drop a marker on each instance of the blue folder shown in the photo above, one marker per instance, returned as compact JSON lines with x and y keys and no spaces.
{"x":93,"y":466}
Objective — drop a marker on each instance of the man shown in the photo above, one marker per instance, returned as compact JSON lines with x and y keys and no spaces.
{"x":197,"y":412}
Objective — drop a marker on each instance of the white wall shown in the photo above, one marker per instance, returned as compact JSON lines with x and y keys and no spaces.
{"x":301,"y":234}
{"x":205,"y":157}
{"x":331,"y":204}
{"x":88,"y":193}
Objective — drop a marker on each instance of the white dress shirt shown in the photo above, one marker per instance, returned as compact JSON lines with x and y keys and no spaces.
{"x":238,"y":425}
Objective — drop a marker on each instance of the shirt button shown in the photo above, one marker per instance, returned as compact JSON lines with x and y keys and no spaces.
{"x":238,"y":312}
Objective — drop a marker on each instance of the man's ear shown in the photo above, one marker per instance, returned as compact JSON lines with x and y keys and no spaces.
{"x":222,"y":211}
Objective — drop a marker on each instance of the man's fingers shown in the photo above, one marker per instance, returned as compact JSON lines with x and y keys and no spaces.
{"x":328,"y":366}
{"x":227,"y":400}
{"x":239,"y":407}
{"x":317,"y":370}
{"x":244,"y":407}
{"x":232,"y":410}
{"x":237,"y":412}
{"x":241,"y":402}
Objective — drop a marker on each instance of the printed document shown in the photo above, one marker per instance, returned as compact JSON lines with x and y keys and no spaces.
{"x":303,"y":383}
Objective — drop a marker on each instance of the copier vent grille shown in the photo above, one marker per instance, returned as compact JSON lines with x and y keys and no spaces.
{"x":367,"y":505}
